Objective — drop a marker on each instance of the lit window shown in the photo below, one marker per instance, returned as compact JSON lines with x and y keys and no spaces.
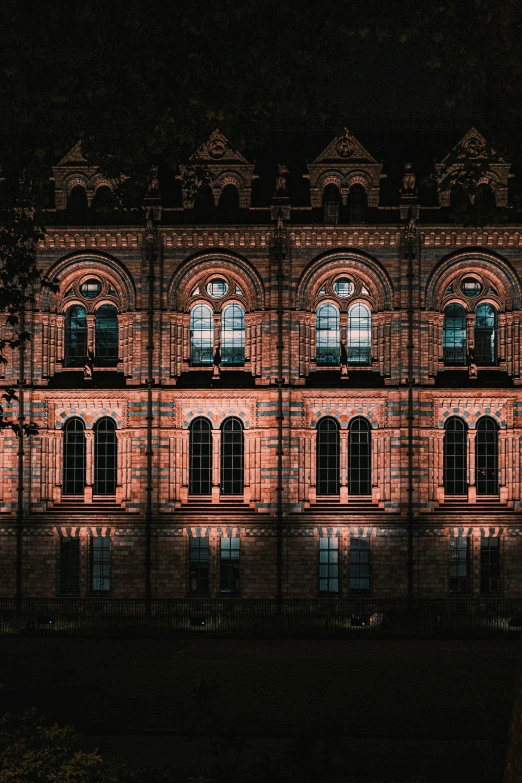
{"x":359,"y":334}
{"x":470,"y":286}
{"x":329,"y":564}
{"x":485,"y":334}
{"x":327,"y":457}
{"x":343,"y":287}
{"x":91,"y":288}
{"x":459,"y":565}
{"x":201,"y":335}
{"x":233,"y":335}
{"x":101,"y":564}
{"x":195,"y":292}
{"x":217,"y":288}
{"x":327,"y":334}
{"x":229,"y":570}
{"x":454,"y":335}
{"x":455,"y":457}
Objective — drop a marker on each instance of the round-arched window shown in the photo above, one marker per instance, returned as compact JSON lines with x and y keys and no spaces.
{"x":91,"y":288}
{"x":471,"y":287}
{"x":343,"y":287}
{"x":217,"y":288}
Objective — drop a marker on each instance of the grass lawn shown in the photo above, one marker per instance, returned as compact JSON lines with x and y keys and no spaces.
{"x":368,"y":708}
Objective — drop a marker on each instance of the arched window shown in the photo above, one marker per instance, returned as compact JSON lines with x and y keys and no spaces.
{"x":359,"y":334}
{"x":327,"y":457}
{"x":228,"y":207}
{"x":74,"y":457}
{"x":331,"y":204}
{"x":233,"y":335}
{"x":232,"y":457}
{"x":485,"y":198}
{"x":105,"y":457}
{"x":102,"y":202}
{"x":454,"y":335}
{"x":201,"y":335}
{"x":486,"y":457}
{"x":75,"y":336}
{"x":485,"y":334}
{"x":204,"y":205}
{"x":200,"y":467}
{"x":360,"y":457}
{"x":77,"y":208}
{"x":455,"y":460}
{"x":106,"y":334}
{"x":357,"y":204}
{"x":460,"y":199}
{"x":327,"y":349}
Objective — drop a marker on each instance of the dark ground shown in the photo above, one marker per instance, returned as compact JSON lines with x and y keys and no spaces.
{"x":366,"y":709}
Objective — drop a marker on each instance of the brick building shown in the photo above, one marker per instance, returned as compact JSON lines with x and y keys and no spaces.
{"x":306,"y":381}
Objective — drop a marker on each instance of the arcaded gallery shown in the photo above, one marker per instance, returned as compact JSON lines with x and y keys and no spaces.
{"x":303,"y":380}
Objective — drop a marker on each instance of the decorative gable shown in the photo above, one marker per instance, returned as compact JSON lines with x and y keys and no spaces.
{"x":345,"y":162}
{"x":73,"y":170}
{"x":474,"y":146}
{"x":227,"y":167}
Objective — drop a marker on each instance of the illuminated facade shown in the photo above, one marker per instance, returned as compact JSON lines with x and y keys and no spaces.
{"x":314,"y":392}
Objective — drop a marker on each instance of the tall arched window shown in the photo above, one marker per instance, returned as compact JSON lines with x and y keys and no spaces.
{"x":327,"y":457}
{"x":360,"y":457}
{"x":454,"y":335}
{"x":357,"y":204}
{"x":77,"y":207}
{"x":455,"y":459}
{"x":204,"y":205}
{"x":228,"y":207}
{"x":200,"y":457}
{"x":106,"y":335}
{"x":485,"y":198}
{"x":105,"y":457}
{"x":485,"y":334}
{"x":328,"y":348}
{"x":359,"y":334}
{"x":75,"y":336}
{"x":460,"y":199}
{"x":102,"y":202}
{"x":486,"y":456}
{"x":233,"y":335}
{"x":201,"y":335}
{"x":331,"y":204}
{"x":232,"y":457}
{"x":74,"y":457}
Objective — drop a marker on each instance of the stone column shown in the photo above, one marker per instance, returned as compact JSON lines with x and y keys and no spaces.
{"x":57,"y":461}
{"x":90,"y":332}
{"x":343,"y":494}
{"x":216,"y":464}
{"x":185,"y":446}
{"x":472,"y":489}
{"x":121,"y":443}
{"x":313,"y":467}
{"x":89,"y":466}
{"x":502,"y":466}
{"x":247,"y":493}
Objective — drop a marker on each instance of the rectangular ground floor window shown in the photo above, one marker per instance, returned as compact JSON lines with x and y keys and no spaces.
{"x":101,"y":564}
{"x":329,"y":564}
{"x":229,"y":567}
{"x":70,"y":565}
{"x":360,"y":565}
{"x":459,"y":564}
{"x":490,"y":565}
{"x":198,"y":565}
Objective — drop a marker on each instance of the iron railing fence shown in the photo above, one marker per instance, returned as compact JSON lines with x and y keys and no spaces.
{"x":234,"y":617}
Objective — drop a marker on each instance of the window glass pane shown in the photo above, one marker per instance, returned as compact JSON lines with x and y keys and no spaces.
{"x":101,"y":564}
{"x":75,"y":336}
{"x":486,"y":457}
{"x":229,"y":567}
{"x":327,"y":334}
{"x":106,"y":333}
{"x":454,"y":335}
{"x":455,"y":457}
{"x":470,"y":287}
{"x":217,"y":288}
{"x":91,"y":289}
{"x":485,"y":335}
{"x":233,"y":335}
{"x":74,"y":457}
{"x":329,"y":564}
{"x":459,"y":553}
{"x":360,"y":565}
{"x":105,"y":457}
{"x":490,"y":565}
{"x":199,"y":565}
{"x":360,"y":457}
{"x":359,"y":335}
{"x":200,"y":468}
{"x":70,"y":565}
{"x":343,"y":287}
{"x":327,"y":457}
{"x":232,"y":457}
{"x":201,"y":335}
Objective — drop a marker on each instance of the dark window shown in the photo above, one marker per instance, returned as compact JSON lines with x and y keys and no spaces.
{"x":329,"y":564}
{"x":229,"y":569}
{"x":459,"y":564}
{"x":360,"y":565}
{"x":490,"y":565}
{"x":233,"y":335}
{"x":106,"y":333}
{"x":357,"y":204}
{"x":105,"y":457}
{"x":455,"y":462}
{"x":75,"y":336}
{"x":103,"y":202}
{"x":77,"y":208}
{"x":485,"y":198}
{"x":200,"y":478}
{"x":360,"y":457}
{"x":232,"y":457}
{"x":201,"y":335}
{"x":460,"y":199}
{"x":69,"y":565}
{"x":204,"y":205}
{"x":454,"y":335}
{"x":331,"y":204}
{"x":198,"y":565}
{"x":359,"y":334}
{"x":327,"y":457}
{"x":486,"y":457}
{"x":101,"y":564}
{"x":485,"y":334}
{"x":74,"y":457}
{"x":328,"y":349}
{"x":228,"y":207}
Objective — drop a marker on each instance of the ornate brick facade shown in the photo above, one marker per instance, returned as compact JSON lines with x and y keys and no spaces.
{"x":277,"y":261}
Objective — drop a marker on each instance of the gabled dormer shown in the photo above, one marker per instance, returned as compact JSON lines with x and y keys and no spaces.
{"x":347,"y":168}
{"x":473,"y":152}
{"x":76,"y":182}
{"x":230,"y":172}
